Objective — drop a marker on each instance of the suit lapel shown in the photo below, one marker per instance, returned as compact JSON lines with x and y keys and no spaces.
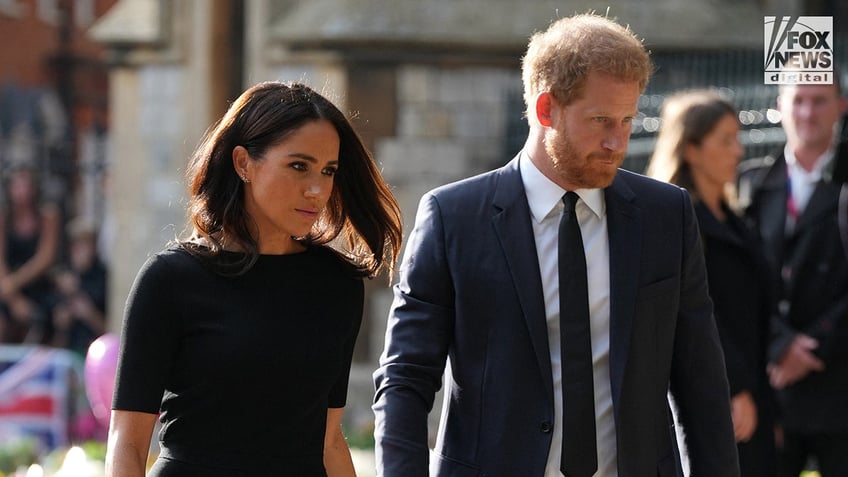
{"x":511,"y":220}
{"x":821,"y":203}
{"x":624,"y":223}
{"x":772,"y":213}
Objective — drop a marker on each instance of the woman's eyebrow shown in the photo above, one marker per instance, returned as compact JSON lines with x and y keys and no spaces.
{"x":310,"y":158}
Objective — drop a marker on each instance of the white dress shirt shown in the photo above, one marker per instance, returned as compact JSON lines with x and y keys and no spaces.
{"x":545,"y":200}
{"x":803,"y":182}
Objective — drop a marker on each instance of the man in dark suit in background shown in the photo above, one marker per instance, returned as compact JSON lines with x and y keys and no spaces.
{"x":481,"y":289}
{"x":792,"y":197}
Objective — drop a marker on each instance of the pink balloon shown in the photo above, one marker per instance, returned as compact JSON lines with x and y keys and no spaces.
{"x":101,"y":364}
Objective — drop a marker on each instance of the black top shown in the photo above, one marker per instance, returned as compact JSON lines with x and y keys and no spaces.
{"x":92,"y":284}
{"x":738,"y":273}
{"x":19,"y":250}
{"x":248,"y":365}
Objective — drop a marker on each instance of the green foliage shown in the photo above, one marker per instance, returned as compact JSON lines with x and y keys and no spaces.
{"x":95,"y":450}
{"x":360,"y":437}
{"x":17,"y":453}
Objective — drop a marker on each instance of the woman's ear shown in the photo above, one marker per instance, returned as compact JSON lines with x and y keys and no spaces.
{"x":544,"y":108}
{"x":241,"y":162}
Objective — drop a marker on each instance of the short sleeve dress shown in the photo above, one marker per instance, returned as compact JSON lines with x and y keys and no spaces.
{"x":241,"y":369}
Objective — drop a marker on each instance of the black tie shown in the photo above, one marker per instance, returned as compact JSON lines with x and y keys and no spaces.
{"x":579,"y":453}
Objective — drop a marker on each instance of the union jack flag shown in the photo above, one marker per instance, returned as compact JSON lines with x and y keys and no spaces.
{"x":35,"y":392}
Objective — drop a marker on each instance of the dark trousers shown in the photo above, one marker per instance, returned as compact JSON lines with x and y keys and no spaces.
{"x":829,"y":450}
{"x":757,"y":457}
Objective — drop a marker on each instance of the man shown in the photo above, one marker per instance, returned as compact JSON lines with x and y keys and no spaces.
{"x":481,"y":288}
{"x":791,"y":198}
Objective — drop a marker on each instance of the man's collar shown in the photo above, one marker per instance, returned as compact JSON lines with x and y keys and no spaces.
{"x":544,"y":196}
{"x":818,"y":166}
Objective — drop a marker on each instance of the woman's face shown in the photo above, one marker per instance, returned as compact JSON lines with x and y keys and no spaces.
{"x":286,"y":189}
{"x":718,"y":155}
{"x":22,"y":188}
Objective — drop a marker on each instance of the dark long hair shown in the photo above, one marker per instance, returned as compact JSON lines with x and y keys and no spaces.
{"x":361,"y":220}
{"x":687,"y":118}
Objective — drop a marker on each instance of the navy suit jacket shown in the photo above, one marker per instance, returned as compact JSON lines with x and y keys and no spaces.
{"x":470,"y":295}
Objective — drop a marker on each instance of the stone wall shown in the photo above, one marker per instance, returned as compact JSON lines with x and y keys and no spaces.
{"x":451,"y":124}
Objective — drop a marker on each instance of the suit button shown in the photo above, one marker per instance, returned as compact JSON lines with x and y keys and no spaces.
{"x":546,"y":427}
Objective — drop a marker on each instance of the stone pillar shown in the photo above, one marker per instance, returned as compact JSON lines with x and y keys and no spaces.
{"x":255,"y":42}
{"x":166,"y":89}
{"x":125,"y":164}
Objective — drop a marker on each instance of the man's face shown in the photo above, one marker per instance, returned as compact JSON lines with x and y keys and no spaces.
{"x":588,"y":138}
{"x":809,"y":113}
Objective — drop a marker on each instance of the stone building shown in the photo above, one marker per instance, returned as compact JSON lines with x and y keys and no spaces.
{"x":53,"y":97}
{"x":434,"y":87}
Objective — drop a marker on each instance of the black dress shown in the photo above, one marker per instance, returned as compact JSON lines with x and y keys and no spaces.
{"x":19,"y":250}
{"x":242,"y":369}
{"x":738,"y":282}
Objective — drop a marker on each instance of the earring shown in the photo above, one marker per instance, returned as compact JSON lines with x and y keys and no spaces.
{"x":245,"y":180}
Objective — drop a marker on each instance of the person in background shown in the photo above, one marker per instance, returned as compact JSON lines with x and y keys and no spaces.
{"x":698,"y":149}
{"x":241,"y":335}
{"x":30,"y":230}
{"x":791,"y":198}
{"x":497,"y":296}
{"x":79,"y":310}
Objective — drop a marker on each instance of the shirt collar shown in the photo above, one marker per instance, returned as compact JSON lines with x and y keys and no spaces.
{"x":544,"y":196}
{"x":818,"y":168}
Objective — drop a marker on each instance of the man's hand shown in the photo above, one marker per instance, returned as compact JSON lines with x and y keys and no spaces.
{"x":796,"y":363}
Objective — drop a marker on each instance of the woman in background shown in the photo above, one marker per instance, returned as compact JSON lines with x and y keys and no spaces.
{"x":242,"y":334}
{"x":30,"y":230}
{"x":78,"y":315}
{"x":698,"y":149}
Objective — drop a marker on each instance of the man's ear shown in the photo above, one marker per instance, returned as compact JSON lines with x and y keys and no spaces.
{"x":544,"y":108}
{"x":241,"y":160}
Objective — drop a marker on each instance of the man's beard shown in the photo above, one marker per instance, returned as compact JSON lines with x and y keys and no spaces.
{"x":585,"y":172}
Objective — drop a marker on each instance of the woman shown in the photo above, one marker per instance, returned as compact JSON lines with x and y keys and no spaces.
{"x":248,"y":325}
{"x":30,"y":231}
{"x":78,"y":315}
{"x":698,"y":149}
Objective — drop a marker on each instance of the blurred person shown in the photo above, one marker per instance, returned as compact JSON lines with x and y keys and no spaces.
{"x":494,"y":286}
{"x":793,"y":202}
{"x":698,"y":149}
{"x":79,"y":312}
{"x":242,"y":334}
{"x":29,"y":247}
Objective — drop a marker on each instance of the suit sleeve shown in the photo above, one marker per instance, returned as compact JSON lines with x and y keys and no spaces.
{"x":699,"y":380}
{"x":418,"y":335}
{"x":831,"y":330}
